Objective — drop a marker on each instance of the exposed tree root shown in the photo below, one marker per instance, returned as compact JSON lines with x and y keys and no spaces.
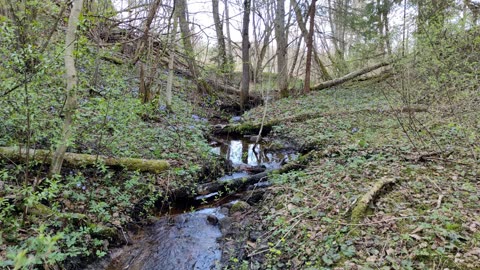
{"x":358,"y":213}
{"x":44,"y":156}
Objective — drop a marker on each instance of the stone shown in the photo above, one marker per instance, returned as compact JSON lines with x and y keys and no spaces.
{"x":212,"y":219}
{"x":254,"y":235}
{"x":225,"y":225}
{"x":239,"y":206}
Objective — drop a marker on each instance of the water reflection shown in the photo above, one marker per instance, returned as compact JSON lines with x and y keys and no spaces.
{"x":242,"y":152}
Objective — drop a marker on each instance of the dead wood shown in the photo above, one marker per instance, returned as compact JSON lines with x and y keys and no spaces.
{"x":250,"y":128}
{"x":349,"y":76}
{"x":74,"y":159}
{"x":242,"y":182}
{"x":358,"y":213}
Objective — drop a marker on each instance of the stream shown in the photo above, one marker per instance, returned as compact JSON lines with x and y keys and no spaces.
{"x":190,"y":240}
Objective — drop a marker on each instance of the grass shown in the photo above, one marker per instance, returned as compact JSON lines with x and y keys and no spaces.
{"x":428,"y":220}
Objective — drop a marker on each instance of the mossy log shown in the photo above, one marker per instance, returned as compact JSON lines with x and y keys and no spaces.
{"x":242,"y":182}
{"x":41,"y":210}
{"x":358,"y":213}
{"x":349,"y":76}
{"x":253,"y":127}
{"x":244,"y":128}
{"x":74,"y":159}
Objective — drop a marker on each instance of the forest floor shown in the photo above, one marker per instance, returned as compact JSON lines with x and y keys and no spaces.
{"x":354,"y":137}
{"x":427,"y":218}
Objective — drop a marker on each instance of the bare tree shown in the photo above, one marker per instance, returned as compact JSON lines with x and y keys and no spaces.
{"x":173,"y":36}
{"x":71,"y":100}
{"x":146,"y":29}
{"x":311,"y":12}
{"x":222,"y":54}
{"x":337,"y":14}
{"x":264,"y":37}
{"x":245,"y":55}
{"x":181,"y":7}
{"x":227,"y":28}
{"x":282,"y":46}
{"x":303,"y":29}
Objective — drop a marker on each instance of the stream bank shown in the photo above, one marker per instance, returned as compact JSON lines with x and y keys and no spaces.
{"x":209,"y":230}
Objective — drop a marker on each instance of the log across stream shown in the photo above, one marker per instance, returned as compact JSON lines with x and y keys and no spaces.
{"x":190,"y":239}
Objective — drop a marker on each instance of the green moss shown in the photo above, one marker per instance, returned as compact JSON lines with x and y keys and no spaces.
{"x":453,"y":226}
{"x":239,"y":207}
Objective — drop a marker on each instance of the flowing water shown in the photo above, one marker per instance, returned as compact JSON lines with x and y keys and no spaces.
{"x":189,"y":240}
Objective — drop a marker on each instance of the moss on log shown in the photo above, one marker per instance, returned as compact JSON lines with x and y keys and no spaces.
{"x":74,"y":159}
{"x":349,"y":76}
{"x":41,"y":210}
{"x":242,"y":182}
{"x":253,"y":127}
{"x":358,"y":213}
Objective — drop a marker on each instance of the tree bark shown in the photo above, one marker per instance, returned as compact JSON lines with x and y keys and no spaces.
{"x":146,"y":30}
{"x":303,"y":29}
{"x":71,"y":100}
{"x":308,"y":67}
{"x":282,"y":44}
{"x":349,"y":76}
{"x":74,"y":159}
{"x":245,"y":54}
{"x":227,"y":28}
{"x":222,"y":54}
{"x":181,"y":7}
{"x":171,"y":70}
{"x":242,"y":182}
{"x":295,"y":58}
{"x":263,"y":49}
{"x":337,"y":17}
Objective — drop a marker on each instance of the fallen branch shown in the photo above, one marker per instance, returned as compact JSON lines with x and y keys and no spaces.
{"x":112,"y":59}
{"x":134,"y":164}
{"x":358,"y":213}
{"x":349,"y":76}
{"x":241,"y":182}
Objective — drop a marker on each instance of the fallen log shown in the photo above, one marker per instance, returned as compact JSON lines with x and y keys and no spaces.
{"x":74,"y":159}
{"x":358,"y":213}
{"x":242,"y":182}
{"x":349,"y":76}
{"x":251,"y":128}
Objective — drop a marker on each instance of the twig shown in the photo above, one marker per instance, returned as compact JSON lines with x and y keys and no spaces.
{"x":439,"y":201}
{"x":376,"y":222}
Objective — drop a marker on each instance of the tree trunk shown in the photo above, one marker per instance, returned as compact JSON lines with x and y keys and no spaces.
{"x":146,"y":30}
{"x":281,"y":38}
{"x":71,"y":100}
{"x":263,"y":50}
{"x":227,"y":28}
{"x":181,"y":7}
{"x":295,"y":58}
{"x":171,"y":70}
{"x":308,"y":67}
{"x":386,"y":11}
{"x":74,"y":159}
{"x":337,"y":17}
{"x":349,"y":76}
{"x":222,"y":55}
{"x":245,"y":55}
{"x":303,"y":29}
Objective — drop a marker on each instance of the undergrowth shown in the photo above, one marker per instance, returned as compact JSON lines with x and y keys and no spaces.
{"x":428,"y":220}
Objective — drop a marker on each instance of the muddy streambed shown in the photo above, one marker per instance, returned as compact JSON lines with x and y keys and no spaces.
{"x":191,"y":240}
